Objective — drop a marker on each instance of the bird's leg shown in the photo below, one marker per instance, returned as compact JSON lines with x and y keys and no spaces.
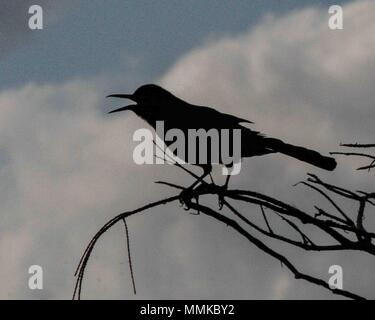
{"x":197,"y":202}
{"x":224,"y":187}
{"x":186,"y":193}
{"x":206,"y":171}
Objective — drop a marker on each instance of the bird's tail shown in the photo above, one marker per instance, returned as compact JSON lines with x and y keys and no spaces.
{"x":309,"y":156}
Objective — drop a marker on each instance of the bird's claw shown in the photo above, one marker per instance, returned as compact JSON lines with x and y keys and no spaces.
{"x":220,"y":195}
{"x":220,"y":201}
{"x":185,"y":198}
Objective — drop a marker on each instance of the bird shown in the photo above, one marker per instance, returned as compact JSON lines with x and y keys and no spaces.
{"x":154,"y":103}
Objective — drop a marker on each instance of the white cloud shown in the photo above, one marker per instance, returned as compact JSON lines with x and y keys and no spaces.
{"x":290,"y":68}
{"x":299,"y":81}
{"x":64,"y":166}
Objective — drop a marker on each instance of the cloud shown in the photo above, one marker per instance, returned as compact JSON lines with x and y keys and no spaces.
{"x":294,"y":77}
{"x":66,"y":168}
{"x":299,"y":81}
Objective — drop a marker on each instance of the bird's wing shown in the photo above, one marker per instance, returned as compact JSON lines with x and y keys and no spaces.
{"x":212,"y":114}
{"x":236,"y":119}
{"x":186,"y":116}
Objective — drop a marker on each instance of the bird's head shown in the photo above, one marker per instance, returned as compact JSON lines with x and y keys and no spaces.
{"x":145,"y":96}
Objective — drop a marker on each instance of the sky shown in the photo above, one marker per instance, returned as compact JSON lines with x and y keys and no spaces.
{"x":66,"y":166}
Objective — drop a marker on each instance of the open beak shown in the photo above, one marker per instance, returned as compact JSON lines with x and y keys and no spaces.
{"x":122,"y":96}
{"x":123,"y":108}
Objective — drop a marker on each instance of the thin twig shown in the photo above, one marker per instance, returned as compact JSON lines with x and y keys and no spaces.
{"x":129,"y":255}
{"x":80,"y":271}
{"x":297,"y":274}
{"x":357,"y":145}
{"x":325,"y":195}
{"x":265,"y":219}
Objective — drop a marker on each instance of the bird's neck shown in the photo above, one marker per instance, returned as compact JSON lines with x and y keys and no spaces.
{"x":150,"y":114}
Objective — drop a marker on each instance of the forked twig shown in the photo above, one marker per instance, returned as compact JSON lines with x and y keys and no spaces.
{"x":81,"y":268}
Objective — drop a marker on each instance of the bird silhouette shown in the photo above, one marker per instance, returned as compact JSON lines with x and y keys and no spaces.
{"x":153,"y":103}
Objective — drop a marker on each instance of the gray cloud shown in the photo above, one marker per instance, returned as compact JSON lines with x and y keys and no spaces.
{"x":66,"y":169}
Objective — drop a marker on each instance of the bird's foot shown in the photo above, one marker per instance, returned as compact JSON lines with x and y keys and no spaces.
{"x":220,"y":195}
{"x":185,"y":199}
{"x":196,"y":212}
{"x":220,"y":201}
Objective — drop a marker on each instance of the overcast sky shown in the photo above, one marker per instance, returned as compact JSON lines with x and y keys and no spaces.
{"x":66,"y":166}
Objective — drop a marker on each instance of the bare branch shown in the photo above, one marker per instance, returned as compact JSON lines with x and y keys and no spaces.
{"x":346,"y":233}
{"x":357,"y":145}
{"x":297,"y":274}
{"x":80,"y":271}
{"x":265,"y":219}
{"x":129,"y":255}
{"x":347,"y":219}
